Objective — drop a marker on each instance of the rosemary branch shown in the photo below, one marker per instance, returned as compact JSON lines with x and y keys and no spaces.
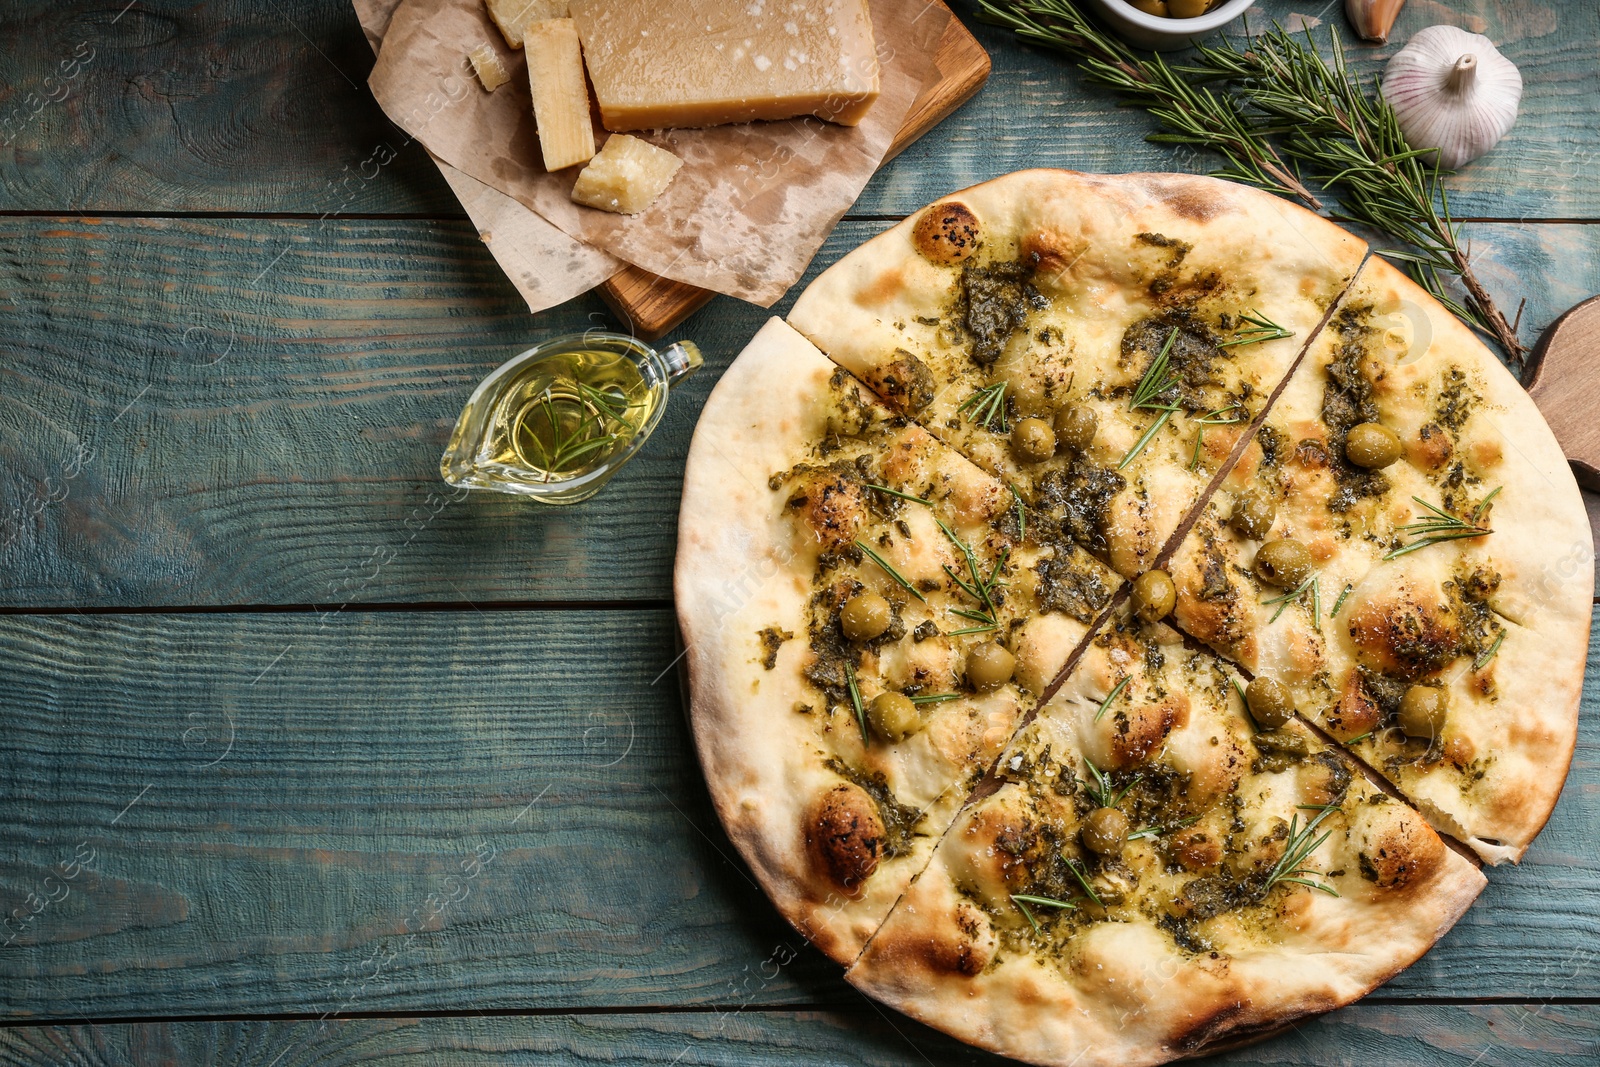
{"x":1272,"y":106}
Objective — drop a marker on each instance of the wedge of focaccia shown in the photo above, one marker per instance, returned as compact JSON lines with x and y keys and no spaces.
{"x":1406,"y":592}
{"x":1156,"y":878}
{"x":1099,"y":343}
{"x":866,"y":624}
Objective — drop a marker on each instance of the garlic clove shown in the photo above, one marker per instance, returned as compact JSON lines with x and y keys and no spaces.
{"x":1452,"y":91}
{"x":1373,"y":19}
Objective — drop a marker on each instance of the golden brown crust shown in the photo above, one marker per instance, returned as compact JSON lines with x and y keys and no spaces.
{"x":947,"y":232}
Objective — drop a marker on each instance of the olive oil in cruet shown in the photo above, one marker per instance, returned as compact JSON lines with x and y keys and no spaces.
{"x":557,"y":421}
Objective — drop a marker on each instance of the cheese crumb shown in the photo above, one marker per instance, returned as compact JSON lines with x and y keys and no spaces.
{"x":486,"y":63}
{"x":515,"y":16}
{"x":626,"y":176}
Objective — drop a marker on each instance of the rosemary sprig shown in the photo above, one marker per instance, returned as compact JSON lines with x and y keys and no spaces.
{"x":1360,"y":737}
{"x":1022,"y":514}
{"x":934,"y":698}
{"x":588,"y":434}
{"x":1291,"y":865}
{"x":1157,"y":831}
{"x":1158,"y":378}
{"x":1260,"y":328}
{"x":1100,"y":788}
{"x":1212,"y":418}
{"x":1350,"y":141}
{"x":855,"y":700}
{"x":1269,"y":106}
{"x":1488,"y":654}
{"x":1083,"y":880}
{"x":888,"y":569}
{"x":987,"y":404}
{"x":1438,"y":526}
{"x":1293,"y":595}
{"x":1022,"y":900}
{"x":898,"y":493}
{"x":1106,"y":703}
{"x":1190,"y":114}
{"x":980,"y":588}
{"x":1337,"y":604}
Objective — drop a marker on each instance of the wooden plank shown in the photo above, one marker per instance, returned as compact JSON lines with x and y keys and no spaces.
{"x":266,"y":402}
{"x":230,"y":107}
{"x":1374,"y":1036}
{"x":651,"y":305}
{"x":281,"y":813}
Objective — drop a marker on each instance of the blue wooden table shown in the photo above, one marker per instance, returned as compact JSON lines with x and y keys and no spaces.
{"x":308,"y":759}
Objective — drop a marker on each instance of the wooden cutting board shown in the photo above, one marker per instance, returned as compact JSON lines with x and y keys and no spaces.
{"x":650,"y":305}
{"x":1566,"y":386}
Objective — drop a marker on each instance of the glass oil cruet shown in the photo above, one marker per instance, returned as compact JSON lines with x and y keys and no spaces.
{"x":557,"y":421}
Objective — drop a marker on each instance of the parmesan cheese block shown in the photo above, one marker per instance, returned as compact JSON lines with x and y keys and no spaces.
{"x":515,"y":16}
{"x":709,"y":62}
{"x":626,"y":176}
{"x":486,"y":64}
{"x":560,"y":98}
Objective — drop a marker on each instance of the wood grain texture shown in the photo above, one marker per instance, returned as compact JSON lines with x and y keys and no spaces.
{"x":651,"y":305}
{"x":308,"y":793}
{"x":266,"y":402}
{"x":234,"y":106}
{"x":1566,"y":386}
{"x":1373,"y":1036}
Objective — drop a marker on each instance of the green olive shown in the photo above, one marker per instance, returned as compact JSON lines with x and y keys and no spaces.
{"x":893,"y":716}
{"x":1252,"y":516}
{"x":1284,"y":563}
{"x":1271,"y":704}
{"x":1033,"y":440}
{"x":1154,"y":595}
{"x":1372,"y":445}
{"x":1150,"y":7}
{"x":1105,"y":831}
{"x":1423,"y":711}
{"x":989,"y":666}
{"x":1187,"y":9}
{"x":1075,"y":428}
{"x":865,"y":616}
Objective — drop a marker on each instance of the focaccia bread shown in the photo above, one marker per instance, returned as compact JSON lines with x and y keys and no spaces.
{"x":1106,"y":597}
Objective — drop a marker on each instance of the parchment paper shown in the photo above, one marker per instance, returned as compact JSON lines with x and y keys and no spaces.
{"x":544,"y":265}
{"x":750,"y":207}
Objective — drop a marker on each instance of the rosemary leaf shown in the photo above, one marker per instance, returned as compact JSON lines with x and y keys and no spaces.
{"x":1106,"y":703}
{"x":898,"y":493}
{"x":884,"y":565}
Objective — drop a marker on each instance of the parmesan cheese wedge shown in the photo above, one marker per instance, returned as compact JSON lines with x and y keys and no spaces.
{"x":667,"y":63}
{"x":626,"y":176}
{"x":560,"y":96}
{"x":486,"y":63}
{"x":515,"y":16}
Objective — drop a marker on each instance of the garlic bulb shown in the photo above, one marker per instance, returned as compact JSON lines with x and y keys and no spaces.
{"x":1373,"y":19}
{"x":1453,"y":91}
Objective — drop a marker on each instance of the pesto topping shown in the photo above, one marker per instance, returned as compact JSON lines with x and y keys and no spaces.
{"x":1347,"y":403}
{"x":772,"y":639}
{"x":993,"y":303}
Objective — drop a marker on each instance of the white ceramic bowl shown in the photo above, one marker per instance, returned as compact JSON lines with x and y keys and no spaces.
{"x":1161,"y":34}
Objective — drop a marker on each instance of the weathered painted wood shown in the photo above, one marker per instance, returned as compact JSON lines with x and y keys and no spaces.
{"x":254,"y":813}
{"x":264,"y":403}
{"x":1374,"y":1036}
{"x":243,"y":107}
